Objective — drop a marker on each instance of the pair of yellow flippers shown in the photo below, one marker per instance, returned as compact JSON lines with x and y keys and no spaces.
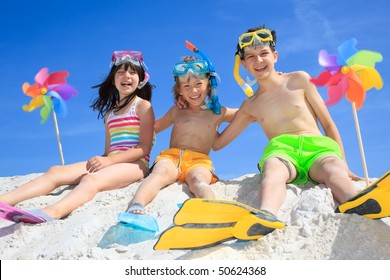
{"x":201,"y":223}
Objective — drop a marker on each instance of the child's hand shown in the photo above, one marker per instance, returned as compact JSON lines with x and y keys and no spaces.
{"x":181,"y":103}
{"x":97,"y":163}
{"x":354,"y":177}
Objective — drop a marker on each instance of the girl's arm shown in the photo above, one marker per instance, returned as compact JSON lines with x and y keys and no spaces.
{"x":107,"y":141}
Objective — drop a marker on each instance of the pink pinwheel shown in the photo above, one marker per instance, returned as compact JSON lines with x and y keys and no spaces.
{"x":352,"y":73}
{"x":50,"y":92}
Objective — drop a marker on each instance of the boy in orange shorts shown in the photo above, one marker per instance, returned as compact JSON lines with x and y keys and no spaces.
{"x":193,"y":133}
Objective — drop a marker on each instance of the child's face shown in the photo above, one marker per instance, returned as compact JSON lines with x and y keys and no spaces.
{"x":194,"y":90}
{"x":126,"y":82}
{"x":259,"y":60}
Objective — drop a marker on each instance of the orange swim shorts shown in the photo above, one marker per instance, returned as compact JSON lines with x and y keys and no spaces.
{"x":185,"y":160}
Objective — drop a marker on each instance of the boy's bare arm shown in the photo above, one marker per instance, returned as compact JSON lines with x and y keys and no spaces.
{"x":229,"y":115}
{"x":164,"y":122}
{"x":240,"y":121}
{"x":317,"y":104}
{"x":325,"y":119}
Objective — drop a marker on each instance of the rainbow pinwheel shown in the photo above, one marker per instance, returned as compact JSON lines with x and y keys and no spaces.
{"x":49,"y":92}
{"x":351,"y":72}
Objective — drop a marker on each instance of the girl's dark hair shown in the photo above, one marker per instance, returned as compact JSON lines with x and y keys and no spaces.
{"x":109,"y":96}
{"x":240,"y":51}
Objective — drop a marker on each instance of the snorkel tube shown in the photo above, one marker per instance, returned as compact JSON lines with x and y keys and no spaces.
{"x":212,"y":104}
{"x":236,"y":72}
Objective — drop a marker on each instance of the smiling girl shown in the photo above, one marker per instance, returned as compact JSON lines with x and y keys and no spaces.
{"x":124,"y":101}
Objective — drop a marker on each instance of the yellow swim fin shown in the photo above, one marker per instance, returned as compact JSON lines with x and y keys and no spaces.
{"x":373,"y":202}
{"x":201,"y":223}
{"x":211,"y":211}
{"x":253,"y":227}
{"x":184,"y":238}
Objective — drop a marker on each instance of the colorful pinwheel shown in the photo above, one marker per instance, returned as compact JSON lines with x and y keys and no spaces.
{"x":350,"y":73}
{"x":50,"y":92}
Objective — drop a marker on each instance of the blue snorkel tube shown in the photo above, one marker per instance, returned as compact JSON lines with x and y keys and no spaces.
{"x":212,"y":104}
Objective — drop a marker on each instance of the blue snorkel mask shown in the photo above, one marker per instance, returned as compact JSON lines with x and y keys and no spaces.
{"x":197,"y":67}
{"x":213,"y":102}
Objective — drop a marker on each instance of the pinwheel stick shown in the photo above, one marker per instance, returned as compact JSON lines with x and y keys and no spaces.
{"x":355,"y":117}
{"x":58,"y":137}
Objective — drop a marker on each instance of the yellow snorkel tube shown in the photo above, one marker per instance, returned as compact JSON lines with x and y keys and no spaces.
{"x":236,"y":72}
{"x":260,"y":37}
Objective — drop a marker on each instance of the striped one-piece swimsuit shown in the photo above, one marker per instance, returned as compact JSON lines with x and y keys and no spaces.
{"x":124,"y":132}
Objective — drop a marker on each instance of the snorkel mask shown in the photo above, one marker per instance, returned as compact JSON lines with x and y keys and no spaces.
{"x":261,"y":37}
{"x":196,"y":67}
{"x":135,"y":57}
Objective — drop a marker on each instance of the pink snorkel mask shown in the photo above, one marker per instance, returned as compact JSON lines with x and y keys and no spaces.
{"x":135,"y":57}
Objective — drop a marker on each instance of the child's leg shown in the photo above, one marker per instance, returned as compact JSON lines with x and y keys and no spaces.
{"x":198,"y":180}
{"x":333,"y":172}
{"x":164,"y":173}
{"x":56,"y":176}
{"x":110,"y":178}
{"x":276,"y":173}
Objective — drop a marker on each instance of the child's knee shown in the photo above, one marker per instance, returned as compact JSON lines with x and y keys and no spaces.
{"x":56,"y":169}
{"x":199,"y":179}
{"x":277,"y":168}
{"x":91,"y":184}
{"x":201,"y":189}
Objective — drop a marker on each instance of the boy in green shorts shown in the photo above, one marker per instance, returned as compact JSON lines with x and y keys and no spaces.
{"x":289,"y":108}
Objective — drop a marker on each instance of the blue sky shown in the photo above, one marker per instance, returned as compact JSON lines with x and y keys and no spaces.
{"x":80,"y":36}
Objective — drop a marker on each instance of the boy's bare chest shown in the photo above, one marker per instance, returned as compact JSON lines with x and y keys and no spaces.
{"x":194,"y":131}
{"x":195,"y":121}
{"x":277,"y":107}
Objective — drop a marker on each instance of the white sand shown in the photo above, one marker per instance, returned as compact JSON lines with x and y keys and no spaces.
{"x":313,"y":232}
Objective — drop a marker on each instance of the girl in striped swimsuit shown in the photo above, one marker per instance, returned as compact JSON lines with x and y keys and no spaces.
{"x":124,"y":101}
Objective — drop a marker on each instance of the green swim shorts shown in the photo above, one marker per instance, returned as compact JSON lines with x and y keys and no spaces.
{"x":302,"y":151}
